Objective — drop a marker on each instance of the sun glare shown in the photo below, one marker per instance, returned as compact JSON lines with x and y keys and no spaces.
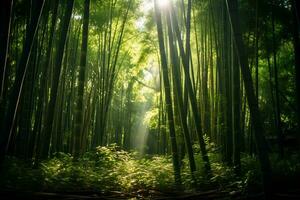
{"x":146,"y":6}
{"x":140,"y":23}
{"x":163,"y":3}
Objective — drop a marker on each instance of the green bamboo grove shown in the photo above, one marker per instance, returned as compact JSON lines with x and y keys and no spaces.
{"x":204,"y":83}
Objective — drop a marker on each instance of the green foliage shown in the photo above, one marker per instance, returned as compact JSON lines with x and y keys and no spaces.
{"x":107,"y":169}
{"x":210,"y":146}
{"x":110,"y":168}
{"x":222,"y":175}
{"x":286,"y":173}
{"x":251,"y":179}
{"x":19,"y":175}
{"x":151,"y":118}
{"x":103,"y":170}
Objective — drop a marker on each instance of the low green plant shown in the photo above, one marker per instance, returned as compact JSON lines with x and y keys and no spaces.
{"x":110,"y":168}
{"x":102,"y":170}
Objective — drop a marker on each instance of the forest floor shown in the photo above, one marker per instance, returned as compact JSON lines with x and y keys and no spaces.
{"x":157,"y":195}
{"x":110,"y":173}
{"x":143,"y":194}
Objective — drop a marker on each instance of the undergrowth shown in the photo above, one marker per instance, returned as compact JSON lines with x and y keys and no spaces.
{"x":112,"y":169}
